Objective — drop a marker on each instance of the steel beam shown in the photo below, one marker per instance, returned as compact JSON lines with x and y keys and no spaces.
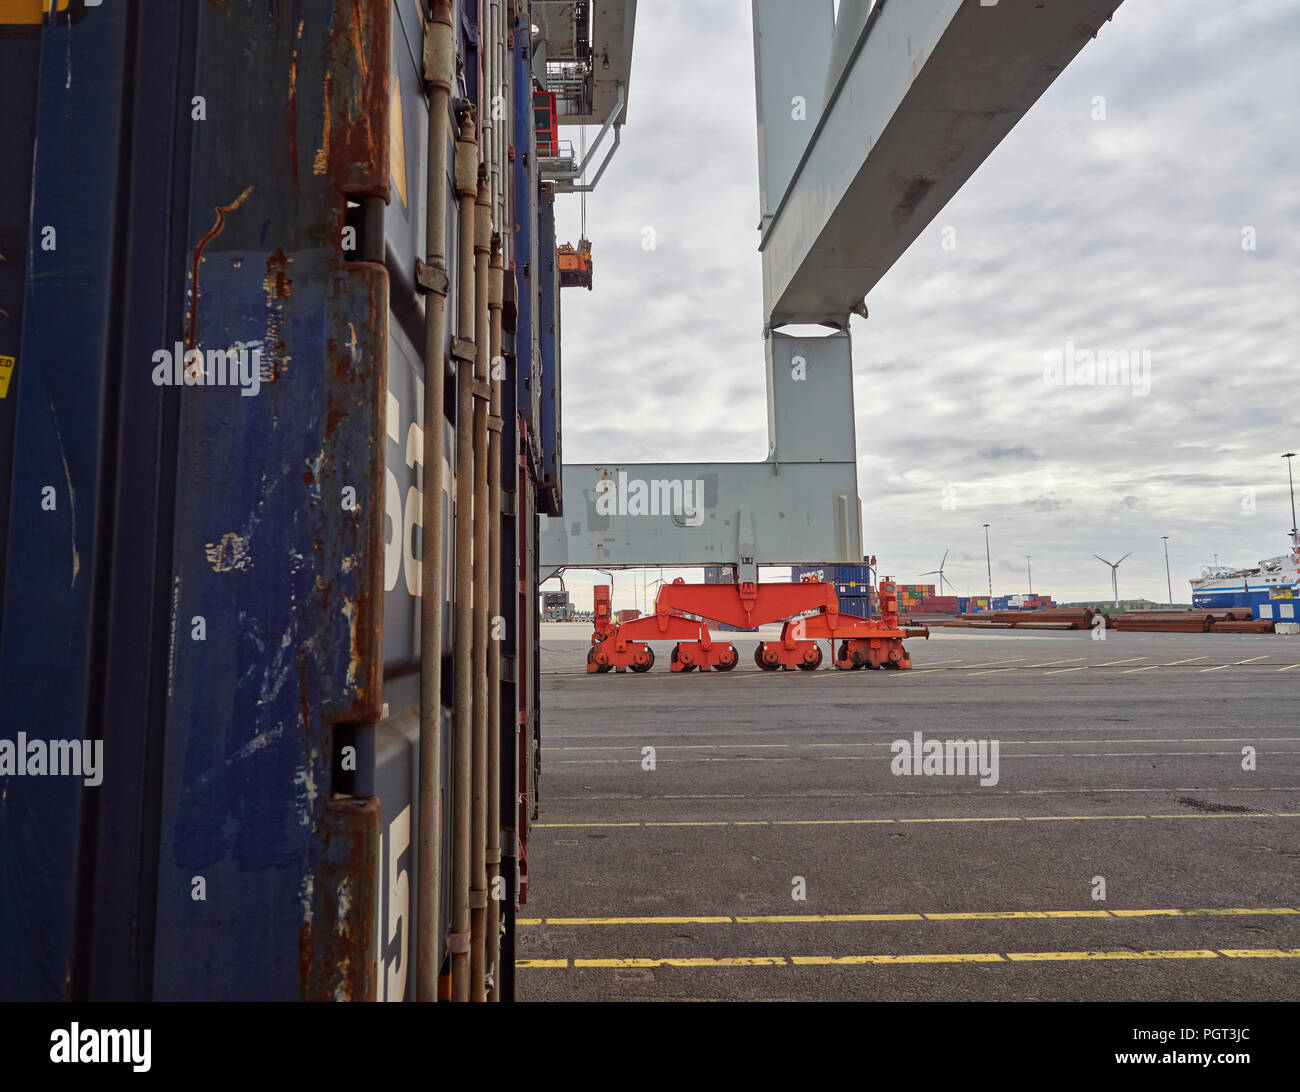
{"x":799,"y":505}
{"x":927,"y":92}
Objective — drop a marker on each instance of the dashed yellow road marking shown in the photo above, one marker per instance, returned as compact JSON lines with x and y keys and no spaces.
{"x":909,"y":959}
{"x":1250,"y":661}
{"x":1219,"y":668}
{"x":1115,"y":663}
{"x":1189,"y":661}
{"x":1291,"y":668}
{"x":1066,"y":670}
{"x":974,"y":915}
{"x":953,"y":819}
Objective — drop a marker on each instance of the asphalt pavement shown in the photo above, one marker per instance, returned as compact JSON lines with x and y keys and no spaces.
{"x":754,"y":835}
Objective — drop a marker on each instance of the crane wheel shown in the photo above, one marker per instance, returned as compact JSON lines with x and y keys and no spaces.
{"x":812,"y":665}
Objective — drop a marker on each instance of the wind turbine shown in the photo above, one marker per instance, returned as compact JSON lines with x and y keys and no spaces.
{"x":1114,"y":573}
{"x":939,"y":573}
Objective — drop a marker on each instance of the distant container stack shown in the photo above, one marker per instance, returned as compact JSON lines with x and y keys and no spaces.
{"x":852,"y":585}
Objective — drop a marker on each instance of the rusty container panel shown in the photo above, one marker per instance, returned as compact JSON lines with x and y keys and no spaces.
{"x":279,"y":530}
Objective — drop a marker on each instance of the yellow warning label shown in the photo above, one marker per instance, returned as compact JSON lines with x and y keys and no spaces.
{"x":21,"y":12}
{"x":397,"y":143}
{"x":6,"y":370}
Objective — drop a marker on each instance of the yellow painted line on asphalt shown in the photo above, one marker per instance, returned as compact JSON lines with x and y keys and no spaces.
{"x":1191,"y":661}
{"x":1291,"y":668}
{"x":953,"y":819}
{"x":1066,"y":670}
{"x":1261,"y":953}
{"x":801,"y":919}
{"x":1210,"y":815}
{"x":641,"y":921}
{"x":1001,"y":915}
{"x":1194,"y":953}
{"x":854,"y":961}
{"x":1219,"y":668}
{"x":998,"y":670}
{"x":994,"y":663}
{"x":1053,"y":663}
{"x":1250,"y":661}
{"x":1224,"y":912}
{"x":897,"y":960}
{"x":1116,"y":663}
{"x":974,"y":915}
{"x":1135,"y":670}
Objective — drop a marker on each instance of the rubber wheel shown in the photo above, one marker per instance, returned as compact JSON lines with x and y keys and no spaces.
{"x":641,"y":669}
{"x":815,"y":664}
{"x":726,"y":663}
{"x":758,"y":659}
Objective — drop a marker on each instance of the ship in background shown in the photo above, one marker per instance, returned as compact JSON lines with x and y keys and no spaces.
{"x":1276,"y":578}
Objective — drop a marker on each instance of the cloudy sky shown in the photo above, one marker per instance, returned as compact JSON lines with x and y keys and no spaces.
{"x":1122,"y":233}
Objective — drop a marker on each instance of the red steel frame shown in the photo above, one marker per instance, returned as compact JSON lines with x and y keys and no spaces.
{"x":810,"y":611}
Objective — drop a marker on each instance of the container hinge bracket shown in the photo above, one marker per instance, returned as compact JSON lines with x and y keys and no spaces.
{"x":457,"y":943}
{"x":495,"y":423}
{"x":431,"y":278}
{"x":483,"y":391}
{"x":463,"y":350}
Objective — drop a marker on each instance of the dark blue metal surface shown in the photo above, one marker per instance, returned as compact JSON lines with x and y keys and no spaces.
{"x":225,"y":593}
{"x":48,"y":653}
{"x":548,"y":330}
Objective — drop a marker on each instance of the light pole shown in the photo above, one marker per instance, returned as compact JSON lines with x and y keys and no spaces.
{"x":1168,"y":580}
{"x":1288,"y":457}
{"x":1029,"y":569}
{"x":988,"y":558}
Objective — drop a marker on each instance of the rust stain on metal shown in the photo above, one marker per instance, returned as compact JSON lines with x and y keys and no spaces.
{"x":323,"y":152}
{"x":278,"y":286}
{"x":217,"y":227}
{"x":293,"y":105}
{"x":354,"y":148}
{"x":336,"y":939}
